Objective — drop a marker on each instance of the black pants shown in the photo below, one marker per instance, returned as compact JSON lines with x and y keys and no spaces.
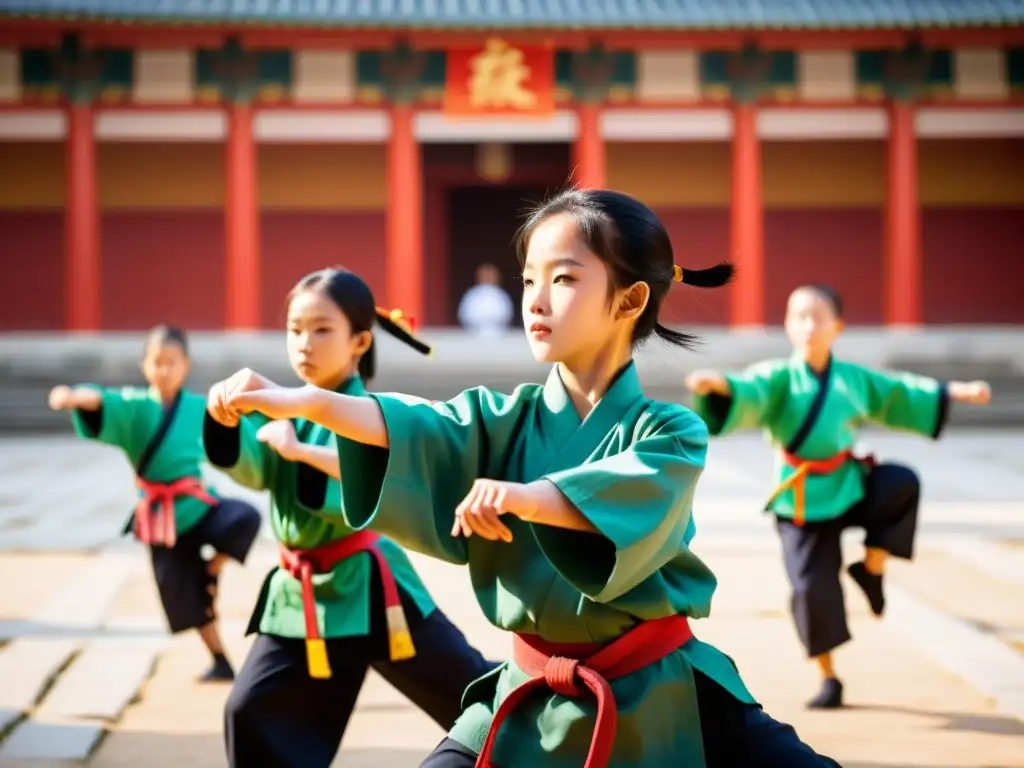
{"x":186,"y":587}
{"x":813,"y":555}
{"x":277,"y":715}
{"x":736,"y":735}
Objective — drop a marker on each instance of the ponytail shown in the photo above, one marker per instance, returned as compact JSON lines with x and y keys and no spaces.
{"x":401,"y":327}
{"x":712,"y":277}
{"x":353,"y":297}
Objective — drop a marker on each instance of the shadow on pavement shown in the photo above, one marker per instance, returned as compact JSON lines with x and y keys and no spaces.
{"x":206,"y":750}
{"x":1003,"y":725}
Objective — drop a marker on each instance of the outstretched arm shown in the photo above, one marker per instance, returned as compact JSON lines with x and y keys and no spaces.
{"x":106,"y":415}
{"x":709,"y":383}
{"x":734,"y":401}
{"x":353,"y":418}
{"x":915,"y":403}
{"x":972,"y":392}
{"x":65,"y":398}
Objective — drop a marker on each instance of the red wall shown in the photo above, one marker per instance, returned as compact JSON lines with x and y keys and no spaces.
{"x":700,"y":238}
{"x":31,"y":270}
{"x":974,"y":265}
{"x":295,"y":243}
{"x":162,"y":234}
{"x":841,"y":247}
{"x":163,"y":267}
{"x":168,"y":266}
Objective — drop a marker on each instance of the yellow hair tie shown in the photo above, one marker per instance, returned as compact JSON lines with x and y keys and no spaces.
{"x":398,"y":317}
{"x":677,"y":273}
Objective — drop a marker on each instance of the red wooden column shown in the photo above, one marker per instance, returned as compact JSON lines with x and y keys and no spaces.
{"x":404,"y":234}
{"x":903,"y":265}
{"x":241,"y":221}
{"x":589,"y":152}
{"x":81,"y":223}
{"x":747,"y":220}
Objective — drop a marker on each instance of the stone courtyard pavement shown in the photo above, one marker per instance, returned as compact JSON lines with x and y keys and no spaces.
{"x":89,"y":676}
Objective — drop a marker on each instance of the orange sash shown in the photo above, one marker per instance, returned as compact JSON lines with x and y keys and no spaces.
{"x":805,"y":467}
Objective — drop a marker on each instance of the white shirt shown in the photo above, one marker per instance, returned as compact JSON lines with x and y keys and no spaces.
{"x":486,"y":310}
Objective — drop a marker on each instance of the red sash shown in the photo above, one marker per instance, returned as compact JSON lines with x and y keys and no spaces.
{"x":154,"y":514}
{"x":303,"y":563}
{"x":561,"y":668}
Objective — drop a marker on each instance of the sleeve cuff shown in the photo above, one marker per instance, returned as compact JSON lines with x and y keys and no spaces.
{"x":310,"y":486}
{"x":367,"y":471}
{"x":942,"y":415}
{"x":586,"y":560}
{"x":223,"y":445}
{"x":89,"y":424}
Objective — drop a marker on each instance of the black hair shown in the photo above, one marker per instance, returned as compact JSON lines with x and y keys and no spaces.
{"x":353,"y":297}
{"x":829,"y":294}
{"x":167,"y":334}
{"x":631,"y":240}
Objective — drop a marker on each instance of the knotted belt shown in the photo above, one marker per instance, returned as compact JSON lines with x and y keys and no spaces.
{"x":303,"y":563}
{"x":563,"y":668}
{"x":154,"y":513}
{"x":804,"y":467}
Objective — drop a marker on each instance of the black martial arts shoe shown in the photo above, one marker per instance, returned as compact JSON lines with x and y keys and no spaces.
{"x":220,"y":671}
{"x":871,"y":584}
{"x":829,"y":697}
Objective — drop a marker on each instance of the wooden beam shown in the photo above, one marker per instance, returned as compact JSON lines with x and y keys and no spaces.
{"x":984,"y":37}
{"x":836,"y":40}
{"x":24,"y":34}
{"x":626,"y":40}
{"x":126,"y":35}
{"x":321,"y":39}
{"x":442,"y":40}
{"x":41,"y":32}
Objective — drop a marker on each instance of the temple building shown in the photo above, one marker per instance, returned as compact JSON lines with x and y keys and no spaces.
{"x":189,"y":163}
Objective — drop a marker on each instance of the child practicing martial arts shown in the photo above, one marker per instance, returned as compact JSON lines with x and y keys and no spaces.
{"x":343,"y":600}
{"x":159,"y":428}
{"x":812,"y":405}
{"x":571,"y":503}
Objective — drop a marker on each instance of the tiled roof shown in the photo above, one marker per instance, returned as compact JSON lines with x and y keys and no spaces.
{"x":558,"y":14}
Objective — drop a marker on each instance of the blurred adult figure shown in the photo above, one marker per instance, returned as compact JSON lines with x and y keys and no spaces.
{"x":486,"y":308}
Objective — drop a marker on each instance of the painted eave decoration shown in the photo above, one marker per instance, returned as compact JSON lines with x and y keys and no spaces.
{"x":653,"y":15}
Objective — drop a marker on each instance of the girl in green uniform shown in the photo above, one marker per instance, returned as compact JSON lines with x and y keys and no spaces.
{"x":812,"y":405}
{"x":343,"y":599}
{"x":571,"y":503}
{"x":159,"y":429}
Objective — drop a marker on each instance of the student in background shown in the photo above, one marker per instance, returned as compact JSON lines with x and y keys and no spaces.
{"x":812,"y":406}
{"x":159,"y":429}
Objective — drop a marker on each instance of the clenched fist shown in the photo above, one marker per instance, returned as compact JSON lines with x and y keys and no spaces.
{"x":218,"y":401}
